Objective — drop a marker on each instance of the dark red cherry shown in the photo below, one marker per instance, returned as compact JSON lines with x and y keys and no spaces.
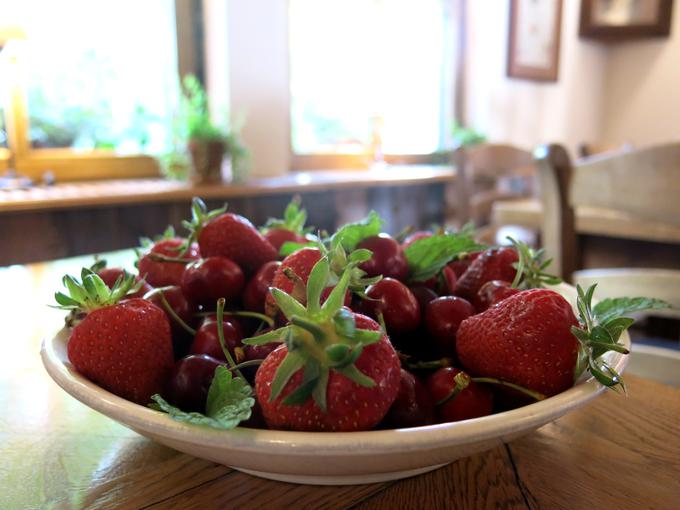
{"x":277,"y":237}
{"x":397,"y":304}
{"x":473,"y":401}
{"x":207,"y":340}
{"x":442,"y":318}
{"x":256,"y":290}
{"x":493,"y":292}
{"x":388,"y":258}
{"x":184,"y":309}
{"x":190,"y":381}
{"x":207,"y":280}
{"x":413,"y":406}
{"x":460,"y":265}
{"x":423,"y":294}
{"x":159,"y":273}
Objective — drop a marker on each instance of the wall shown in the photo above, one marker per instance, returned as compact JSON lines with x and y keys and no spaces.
{"x":527,"y":113}
{"x":258,"y":80}
{"x":642,"y":103}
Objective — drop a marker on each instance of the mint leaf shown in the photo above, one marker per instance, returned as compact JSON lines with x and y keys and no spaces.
{"x":427,"y":257}
{"x":611,"y":308}
{"x":230,"y":401}
{"x":348,"y":236}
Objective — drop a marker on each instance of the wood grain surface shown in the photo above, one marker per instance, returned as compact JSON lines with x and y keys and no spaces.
{"x":617,"y":452}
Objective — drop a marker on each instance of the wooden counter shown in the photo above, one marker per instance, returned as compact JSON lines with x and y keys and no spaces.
{"x":48,"y":222}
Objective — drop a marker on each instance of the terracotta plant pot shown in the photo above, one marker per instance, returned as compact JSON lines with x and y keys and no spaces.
{"x":206,"y":160}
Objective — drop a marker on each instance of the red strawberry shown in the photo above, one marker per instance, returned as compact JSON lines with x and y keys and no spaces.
{"x":350,"y":406}
{"x":233,"y":236}
{"x":336,"y":371}
{"x":492,"y":264}
{"x":299,"y":263}
{"x":525,"y":339}
{"x":124,"y":347}
{"x":290,"y":228}
{"x":157,"y":268}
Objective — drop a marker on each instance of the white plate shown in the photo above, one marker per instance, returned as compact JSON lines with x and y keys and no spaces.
{"x":325,"y":458}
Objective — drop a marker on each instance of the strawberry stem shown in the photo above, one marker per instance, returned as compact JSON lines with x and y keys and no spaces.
{"x":220,"y":334}
{"x":169,"y":310}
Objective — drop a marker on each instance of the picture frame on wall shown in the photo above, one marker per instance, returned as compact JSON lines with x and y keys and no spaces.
{"x":625,"y":19}
{"x":534,"y":39}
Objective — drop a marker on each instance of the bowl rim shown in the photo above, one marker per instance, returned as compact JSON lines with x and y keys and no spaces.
{"x":280,"y":442}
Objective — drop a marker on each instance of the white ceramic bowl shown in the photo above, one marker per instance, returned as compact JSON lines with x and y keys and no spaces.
{"x":325,"y":458}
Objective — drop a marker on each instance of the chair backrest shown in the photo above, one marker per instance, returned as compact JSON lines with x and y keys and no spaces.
{"x":480,"y":170}
{"x":643,"y":183}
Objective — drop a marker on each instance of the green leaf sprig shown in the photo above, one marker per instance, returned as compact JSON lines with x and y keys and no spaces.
{"x":600,"y":328}
{"x":427,"y":257}
{"x":531,"y":268}
{"x":230,"y":398}
{"x":230,"y":402}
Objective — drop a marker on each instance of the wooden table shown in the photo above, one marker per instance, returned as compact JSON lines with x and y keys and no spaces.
{"x":618,"y":452}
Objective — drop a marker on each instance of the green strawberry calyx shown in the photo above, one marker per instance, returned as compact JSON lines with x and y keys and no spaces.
{"x":600,"y":327}
{"x":319,"y":338}
{"x":294,"y":219}
{"x":91,"y":293}
{"x":200,"y":216}
{"x":531,"y":268}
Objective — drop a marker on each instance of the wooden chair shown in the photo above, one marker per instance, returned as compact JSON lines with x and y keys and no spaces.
{"x":488,"y":173}
{"x":644,"y":184}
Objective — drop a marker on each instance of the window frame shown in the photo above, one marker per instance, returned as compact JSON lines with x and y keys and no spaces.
{"x":66,"y":164}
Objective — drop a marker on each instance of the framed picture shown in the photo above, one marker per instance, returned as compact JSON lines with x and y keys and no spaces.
{"x":625,"y":19}
{"x":534,"y":39}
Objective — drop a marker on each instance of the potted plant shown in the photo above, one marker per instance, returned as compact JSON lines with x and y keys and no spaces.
{"x":208,"y":144}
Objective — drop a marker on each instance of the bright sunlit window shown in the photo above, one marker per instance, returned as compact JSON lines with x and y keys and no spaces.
{"x":367,"y":70}
{"x":92,"y":76}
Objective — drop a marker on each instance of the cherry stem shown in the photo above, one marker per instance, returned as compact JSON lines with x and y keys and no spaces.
{"x":169,"y":310}
{"x":430,"y":365}
{"x":404,"y":233}
{"x":241,"y":313}
{"x":526,"y":391}
{"x":223,"y":343}
{"x":462,"y":381}
{"x":249,"y":363}
{"x":268,"y":320}
{"x":157,"y":257}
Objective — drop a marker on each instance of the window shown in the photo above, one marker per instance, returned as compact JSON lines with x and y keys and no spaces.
{"x":92,"y":89}
{"x":370,"y":76}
